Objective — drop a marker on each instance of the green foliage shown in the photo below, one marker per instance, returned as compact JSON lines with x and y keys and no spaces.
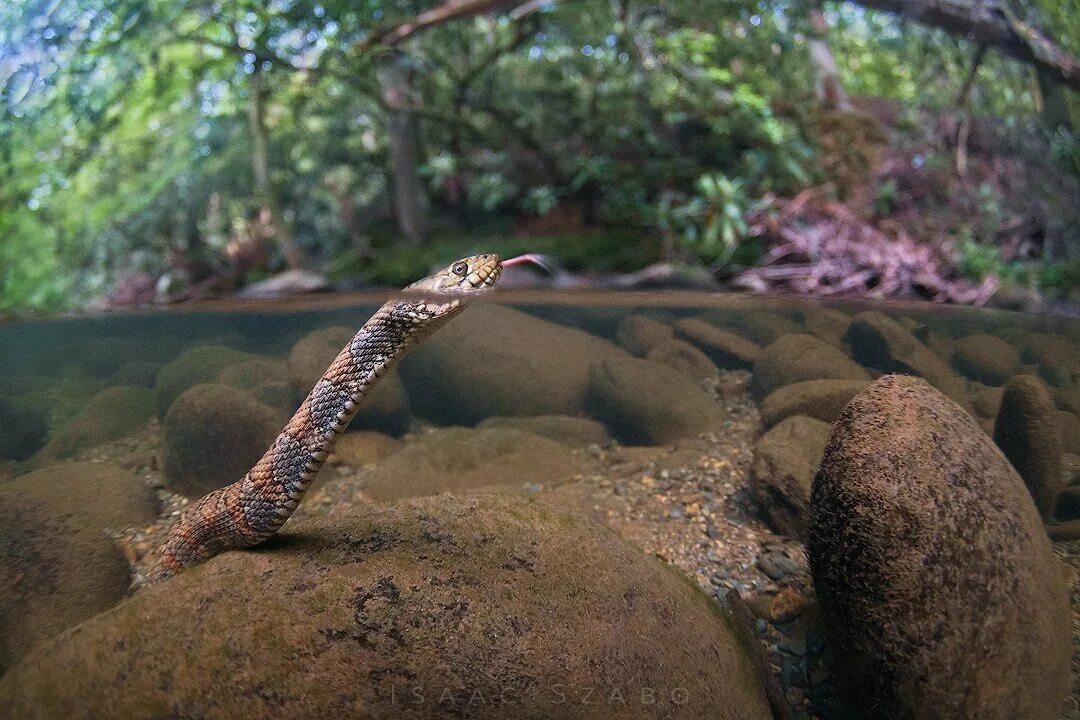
{"x":711,"y":221}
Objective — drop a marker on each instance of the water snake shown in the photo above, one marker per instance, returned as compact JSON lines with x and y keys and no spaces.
{"x":253,"y":508}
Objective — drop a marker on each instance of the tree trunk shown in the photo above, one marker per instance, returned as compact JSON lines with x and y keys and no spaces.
{"x":260,"y":170}
{"x":829,"y":89}
{"x":410,"y":204}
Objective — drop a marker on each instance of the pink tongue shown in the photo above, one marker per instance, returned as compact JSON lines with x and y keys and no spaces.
{"x":526,"y":258}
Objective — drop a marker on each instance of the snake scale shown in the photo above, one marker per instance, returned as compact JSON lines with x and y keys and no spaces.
{"x":252,"y":509}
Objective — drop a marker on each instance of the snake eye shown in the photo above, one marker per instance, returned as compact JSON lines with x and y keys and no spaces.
{"x":460,"y":268}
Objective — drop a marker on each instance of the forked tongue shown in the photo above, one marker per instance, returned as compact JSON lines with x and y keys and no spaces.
{"x":532,"y":258}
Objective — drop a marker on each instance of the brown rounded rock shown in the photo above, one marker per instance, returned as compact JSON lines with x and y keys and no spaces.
{"x":212,"y":435}
{"x":785,"y":461}
{"x":109,"y":415}
{"x":820,"y":399}
{"x":685,"y":358}
{"x":480,"y":607}
{"x":1027,"y":432}
{"x":795,"y":358}
{"x":986,"y":358}
{"x":639,"y":334}
{"x":572,"y":431}
{"x":200,"y":364}
{"x":934,"y":574}
{"x":361,"y":449}
{"x":726,"y":349}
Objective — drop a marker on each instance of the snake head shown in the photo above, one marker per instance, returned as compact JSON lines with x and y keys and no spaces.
{"x":467,"y":275}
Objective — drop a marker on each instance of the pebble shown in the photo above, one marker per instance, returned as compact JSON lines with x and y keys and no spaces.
{"x":777,"y":565}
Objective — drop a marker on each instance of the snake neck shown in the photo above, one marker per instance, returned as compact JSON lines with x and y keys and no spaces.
{"x":256,"y":506}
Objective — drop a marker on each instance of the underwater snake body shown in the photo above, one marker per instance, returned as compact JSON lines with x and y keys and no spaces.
{"x":256,"y":506}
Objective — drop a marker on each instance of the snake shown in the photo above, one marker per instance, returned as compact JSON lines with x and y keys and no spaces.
{"x":253,"y":508}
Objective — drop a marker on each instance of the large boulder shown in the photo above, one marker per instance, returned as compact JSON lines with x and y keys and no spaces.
{"x":109,"y":415}
{"x":572,"y":431}
{"x":212,"y":435}
{"x":821,"y":399}
{"x":645,"y":403}
{"x":57,"y":571}
{"x":200,"y":364}
{"x":463,"y":459}
{"x":786,"y":459}
{"x":493,"y":360}
{"x":795,"y":358}
{"x":480,"y":607}
{"x":932,"y":568}
{"x":639,"y":334}
{"x":986,"y":358}
{"x":726,"y":349}
{"x":385,"y":407}
{"x":1027,"y":431}
{"x":879,"y":342}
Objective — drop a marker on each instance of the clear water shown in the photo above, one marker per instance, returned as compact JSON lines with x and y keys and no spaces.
{"x":91,"y":477}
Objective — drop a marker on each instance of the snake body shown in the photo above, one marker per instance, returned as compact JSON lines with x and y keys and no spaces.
{"x":252,"y":509}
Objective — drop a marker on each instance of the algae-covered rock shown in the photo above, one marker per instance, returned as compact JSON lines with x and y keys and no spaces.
{"x":646,"y":403}
{"x":572,"y":431}
{"x":685,"y":358}
{"x":639,"y":334}
{"x":880,"y":342}
{"x":932,"y":568}
{"x":200,"y":364}
{"x":57,"y":571}
{"x":480,"y":607}
{"x":761,"y":327}
{"x":22,"y":431}
{"x":986,"y":401}
{"x":1057,"y":358}
{"x":1069,"y":428}
{"x":786,"y":459}
{"x":361,"y":449}
{"x":109,"y":415}
{"x":464,"y":459}
{"x":385,"y":407}
{"x":726,"y":349}
{"x":826,"y":323}
{"x":1027,"y":432}
{"x":820,"y":399}
{"x":986,"y":358}
{"x":795,"y":358}
{"x":493,"y":360}
{"x":212,"y":435}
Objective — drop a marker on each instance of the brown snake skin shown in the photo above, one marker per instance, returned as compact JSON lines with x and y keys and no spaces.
{"x":256,"y":506}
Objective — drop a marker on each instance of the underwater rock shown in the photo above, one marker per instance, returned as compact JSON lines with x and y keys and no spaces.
{"x":386,"y":406}
{"x":57,"y":570}
{"x":685,"y":358}
{"x":762,"y":328}
{"x":639,"y":334}
{"x":572,"y":431}
{"x":820,"y":399}
{"x":22,"y":431}
{"x":726,"y":349}
{"x":140,"y":373}
{"x":879,"y":342}
{"x":493,"y":360}
{"x":253,"y":372}
{"x":479,"y":607}
{"x":646,"y":403}
{"x":1058,"y":359}
{"x":1027,"y":432}
{"x":1068,"y":399}
{"x":826,"y":323}
{"x":100,"y":495}
{"x":795,"y":358}
{"x":785,"y":461}
{"x":361,"y":449}
{"x":986,"y":358}
{"x":459,"y":460}
{"x":985,"y":400}
{"x":212,"y":435}
{"x":109,"y":415}
{"x":200,"y":364}
{"x":934,"y":574}
{"x":1069,"y":427}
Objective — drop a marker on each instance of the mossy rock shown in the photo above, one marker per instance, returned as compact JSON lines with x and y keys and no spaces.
{"x":826,"y":323}
{"x":109,"y":415}
{"x":385,"y":407}
{"x":485,"y":607}
{"x":986,"y":401}
{"x":1057,"y":358}
{"x":646,"y":403}
{"x":493,"y":360}
{"x":795,"y":358}
{"x":724,"y":348}
{"x":640,"y":333}
{"x":685,"y":358}
{"x":361,"y":449}
{"x":464,"y":459}
{"x":212,"y":435}
{"x":986,"y":358}
{"x":936,"y":580}
{"x":572,"y":431}
{"x":201,"y":364}
{"x":820,"y":399}
{"x":1027,"y":432}
{"x":762,"y":328}
{"x":786,"y":459}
